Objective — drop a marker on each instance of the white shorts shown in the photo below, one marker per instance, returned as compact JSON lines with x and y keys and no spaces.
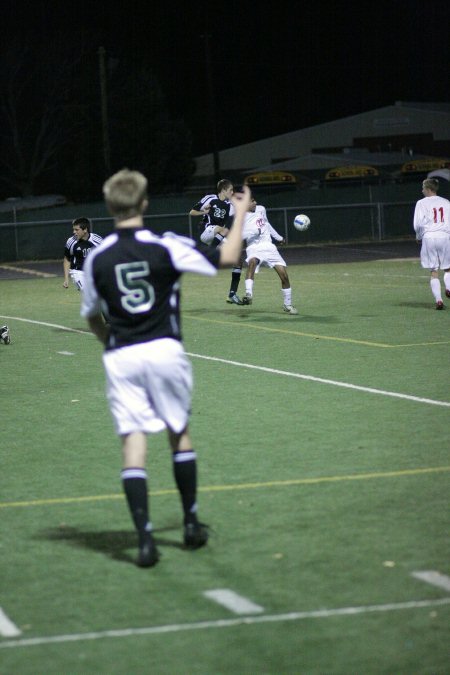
{"x":149,"y":386}
{"x":208,"y":234}
{"x":267,"y":254}
{"x":77,"y":277}
{"x":435,"y":252}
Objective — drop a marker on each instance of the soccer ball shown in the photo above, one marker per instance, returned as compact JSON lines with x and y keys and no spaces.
{"x":301,"y":222}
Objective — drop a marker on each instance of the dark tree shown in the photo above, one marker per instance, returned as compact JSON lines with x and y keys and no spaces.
{"x":143,"y":135}
{"x":52,"y":126}
{"x":38,"y":114}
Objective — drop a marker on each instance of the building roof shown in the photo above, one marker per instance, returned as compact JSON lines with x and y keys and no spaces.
{"x":309,"y":148}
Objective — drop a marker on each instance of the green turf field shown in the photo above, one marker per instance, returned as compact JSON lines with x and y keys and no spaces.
{"x":323,"y":443}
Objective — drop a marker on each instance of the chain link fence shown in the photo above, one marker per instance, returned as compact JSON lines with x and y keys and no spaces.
{"x":375,"y":221}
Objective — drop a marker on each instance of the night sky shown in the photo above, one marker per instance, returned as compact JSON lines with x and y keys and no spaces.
{"x":273,"y":69}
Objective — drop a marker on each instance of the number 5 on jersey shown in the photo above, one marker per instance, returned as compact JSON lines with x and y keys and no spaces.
{"x":137,"y":294}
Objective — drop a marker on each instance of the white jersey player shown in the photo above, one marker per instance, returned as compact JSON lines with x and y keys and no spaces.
{"x":258,"y":233}
{"x":432,"y":227}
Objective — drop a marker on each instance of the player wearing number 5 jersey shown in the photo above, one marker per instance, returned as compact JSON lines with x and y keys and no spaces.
{"x":133,"y":277}
{"x":432,"y":227}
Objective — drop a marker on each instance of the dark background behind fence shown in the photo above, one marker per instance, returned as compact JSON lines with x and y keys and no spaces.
{"x":338,"y":213}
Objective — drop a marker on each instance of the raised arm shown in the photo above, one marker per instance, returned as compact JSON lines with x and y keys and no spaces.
{"x":203,"y":212}
{"x":230,"y":249}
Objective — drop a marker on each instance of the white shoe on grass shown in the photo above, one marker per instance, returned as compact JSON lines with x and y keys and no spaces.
{"x":290,"y":309}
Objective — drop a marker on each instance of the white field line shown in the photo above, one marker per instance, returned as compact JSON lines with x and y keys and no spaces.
{"x":24,"y":270}
{"x":233,"y":601}
{"x":224,"y":623}
{"x":434,"y":578}
{"x":7,"y":627}
{"x":273,"y":371}
{"x":335,"y":383}
{"x":50,"y":325}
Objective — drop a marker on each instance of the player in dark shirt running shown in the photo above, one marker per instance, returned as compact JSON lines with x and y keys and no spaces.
{"x":77,"y":248}
{"x":134,"y":278}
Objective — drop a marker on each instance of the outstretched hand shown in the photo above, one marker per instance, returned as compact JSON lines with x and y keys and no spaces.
{"x":241,"y":200}
{"x":230,"y":249}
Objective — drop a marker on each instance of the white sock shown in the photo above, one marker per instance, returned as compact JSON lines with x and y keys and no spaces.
{"x":447,"y":280}
{"x":287,"y":296}
{"x":249,"y":286}
{"x":436,"y":289}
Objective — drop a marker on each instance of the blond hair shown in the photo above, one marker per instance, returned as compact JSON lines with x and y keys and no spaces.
{"x":125,"y":194}
{"x":431,"y":184}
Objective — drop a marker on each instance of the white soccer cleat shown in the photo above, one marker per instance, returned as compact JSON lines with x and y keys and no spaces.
{"x":290,"y":309}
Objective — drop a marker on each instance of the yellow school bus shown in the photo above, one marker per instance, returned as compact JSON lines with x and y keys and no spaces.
{"x":270,"y":178}
{"x":351,"y":171}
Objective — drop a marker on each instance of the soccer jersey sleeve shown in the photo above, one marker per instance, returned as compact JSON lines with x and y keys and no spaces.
{"x":68,"y":247}
{"x":418,"y":220}
{"x":204,"y":202}
{"x":187,"y":257}
{"x":274,"y":233}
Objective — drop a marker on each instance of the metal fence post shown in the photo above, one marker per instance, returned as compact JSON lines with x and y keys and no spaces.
{"x":286,"y":231}
{"x":380,"y":215}
{"x":16,"y":234}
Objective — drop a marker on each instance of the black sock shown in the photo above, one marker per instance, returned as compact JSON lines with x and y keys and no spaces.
{"x":218,"y":239}
{"x":235,"y":279}
{"x":134,"y":483}
{"x":185,"y":472}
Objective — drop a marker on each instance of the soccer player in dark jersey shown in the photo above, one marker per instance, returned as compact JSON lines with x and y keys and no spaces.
{"x":134,"y":278}
{"x":5,"y":335}
{"x":77,"y":247}
{"x":217,"y":212}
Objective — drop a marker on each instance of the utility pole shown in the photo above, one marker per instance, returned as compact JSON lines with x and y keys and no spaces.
{"x":104,"y":109}
{"x":212,"y":107}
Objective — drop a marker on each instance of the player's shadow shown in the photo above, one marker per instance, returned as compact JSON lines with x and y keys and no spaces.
{"x":297,"y":320}
{"x":258,"y":315}
{"x":115,"y":544}
{"x":416,"y":305}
